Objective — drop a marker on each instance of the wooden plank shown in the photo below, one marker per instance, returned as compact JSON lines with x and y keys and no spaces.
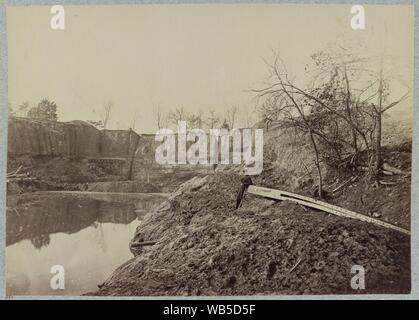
{"x":320,"y":205}
{"x":351,"y":179}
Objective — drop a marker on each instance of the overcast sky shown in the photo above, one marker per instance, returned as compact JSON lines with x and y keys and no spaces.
{"x":192,"y":56}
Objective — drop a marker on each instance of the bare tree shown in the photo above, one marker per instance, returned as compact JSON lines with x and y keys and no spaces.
{"x":231,"y":116}
{"x":213,"y":119}
{"x":134,"y":120}
{"x":195,"y":120}
{"x":106,"y":113}
{"x":302,"y":108}
{"x":159,"y":118}
{"x":333,"y":113}
{"x":379,"y":109}
{"x":270,"y":110}
{"x":357,"y":85}
{"x":23,"y":108}
{"x":292,"y":109}
{"x":248,"y":118}
{"x":162,"y":120}
{"x":225,"y":124}
{"x":10,"y":107}
{"x":178,"y":115}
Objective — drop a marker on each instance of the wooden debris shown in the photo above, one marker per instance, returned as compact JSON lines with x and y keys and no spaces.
{"x":391,"y":169}
{"x":351,"y":179}
{"x":386,"y":183}
{"x":320,"y":205}
{"x":24,"y":178}
{"x":387,"y":173}
{"x":296,"y":265}
{"x":13,"y":174}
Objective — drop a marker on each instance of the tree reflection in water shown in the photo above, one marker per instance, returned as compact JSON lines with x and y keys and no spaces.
{"x":36,"y":216}
{"x":89,"y":235}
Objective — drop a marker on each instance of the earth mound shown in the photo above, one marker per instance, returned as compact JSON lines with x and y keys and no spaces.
{"x":196,"y":243}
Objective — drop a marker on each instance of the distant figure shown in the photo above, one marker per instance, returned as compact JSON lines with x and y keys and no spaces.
{"x":246,"y":182}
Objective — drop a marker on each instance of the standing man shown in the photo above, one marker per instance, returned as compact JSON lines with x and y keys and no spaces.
{"x":246,"y":182}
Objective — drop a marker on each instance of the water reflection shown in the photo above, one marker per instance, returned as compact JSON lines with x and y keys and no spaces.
{"x":88,"y":235}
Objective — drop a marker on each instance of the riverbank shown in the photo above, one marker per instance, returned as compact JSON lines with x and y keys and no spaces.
{"x":85,"y":232}
{"x":196,"y":242}
{"x":203,"y":246}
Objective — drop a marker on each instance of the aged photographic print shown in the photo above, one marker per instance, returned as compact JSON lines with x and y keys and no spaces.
{"x":209,"y":149}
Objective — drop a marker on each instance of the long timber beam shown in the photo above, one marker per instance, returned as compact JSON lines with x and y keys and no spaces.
{"x":320,"y":205}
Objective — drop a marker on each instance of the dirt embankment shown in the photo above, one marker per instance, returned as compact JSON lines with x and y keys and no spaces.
{"x":206,"y":247}
{"x":52,"y":155}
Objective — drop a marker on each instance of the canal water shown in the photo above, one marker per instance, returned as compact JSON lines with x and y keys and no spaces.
{"x":87,"y":234}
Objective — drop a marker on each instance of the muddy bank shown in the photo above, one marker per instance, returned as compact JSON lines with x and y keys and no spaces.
{"x":206,"y":247}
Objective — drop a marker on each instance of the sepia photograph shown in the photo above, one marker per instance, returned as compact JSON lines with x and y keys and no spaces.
{"x":209,"y":150}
